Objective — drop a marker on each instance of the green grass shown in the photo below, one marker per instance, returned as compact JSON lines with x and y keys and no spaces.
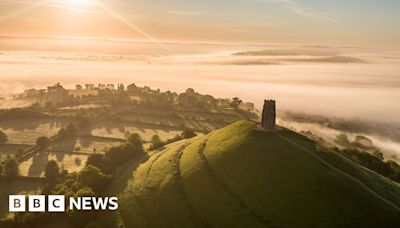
{"x":159,"y":172}
{"x":240,"y":176}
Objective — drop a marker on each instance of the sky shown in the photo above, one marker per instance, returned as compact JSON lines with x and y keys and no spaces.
{"x":341,"y":22}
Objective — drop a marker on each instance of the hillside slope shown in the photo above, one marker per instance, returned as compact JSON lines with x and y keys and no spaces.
{"x":240,"y":176}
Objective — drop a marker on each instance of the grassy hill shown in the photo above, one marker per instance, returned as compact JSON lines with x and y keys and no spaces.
{"x":240,"y":176}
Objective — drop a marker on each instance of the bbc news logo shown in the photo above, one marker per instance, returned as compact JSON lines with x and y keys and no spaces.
{"x":58,"y":203}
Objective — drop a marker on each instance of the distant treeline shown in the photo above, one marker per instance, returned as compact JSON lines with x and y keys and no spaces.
{"x":375,"y":162}
{"x":58,"y":96}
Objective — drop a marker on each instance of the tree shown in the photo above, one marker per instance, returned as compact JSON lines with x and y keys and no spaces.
{"x":156,"y":142}
{"x":121,"y":87}
{"x":135,"y":140}
{"x":96,"y":160}
{"x":93,"y":178}
{"x":83,"y":124}
{"x":1,"y":169}
{"x":343,"y":140}
{"x":11,"y":169}
{"x":174,"y":139}
{"x":188,"y":133}
{"x":378,"y":154}
{"x":43,"y":142}
{"x":81,"y":219}
{"x":62,"y":134}
{"x":52,"y":170}
{"x":3,"y":137}
{"x":388,"y":169}
{"x":363,"y":142}
{"x":20,"y":153}
{"x":187,"y":99}
{"x":55,"y":87}
{"x":132,"y":88}
{"x":71,"y":130}
{"x":116,"y":156}
{"x":49,"y":105}
{"x":62,"y":189}
{"x":190,"y":91}
{"x":236,"y":103}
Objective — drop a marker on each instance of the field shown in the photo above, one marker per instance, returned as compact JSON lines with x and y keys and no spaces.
{"x":23,"y":136}
{"x":28,"y":130}
{"x":145,"y":133}
{"x":254,"y":179}
{"x":36,"y":165}
{"x":77,"y":107}
{"x":148,"y":122}
{"x":85,"y":144}
{"x":70,"y":155}
{"x":10,"y":149}
{"x":173,"y":120}
{"x":92,"y":144}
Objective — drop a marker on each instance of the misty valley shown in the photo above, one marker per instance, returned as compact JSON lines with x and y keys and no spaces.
{"x":203,"y":114}
{"x":90,"y":140}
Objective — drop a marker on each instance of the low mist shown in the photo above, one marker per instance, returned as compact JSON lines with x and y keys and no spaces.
{"x":349,"y":83}
{"x":385,"y":138}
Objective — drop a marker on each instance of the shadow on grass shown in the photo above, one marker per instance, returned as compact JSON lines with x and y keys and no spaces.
{"x":121,"y":178}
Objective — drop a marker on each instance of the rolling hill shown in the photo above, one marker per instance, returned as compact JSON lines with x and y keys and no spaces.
{"x":242,"y":176}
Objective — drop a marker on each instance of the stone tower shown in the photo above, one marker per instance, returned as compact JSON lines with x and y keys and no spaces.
{"x":268,"y":121}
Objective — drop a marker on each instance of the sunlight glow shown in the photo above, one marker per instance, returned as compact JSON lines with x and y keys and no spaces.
{"x":78,"y":3}
{"x":132,"y":26}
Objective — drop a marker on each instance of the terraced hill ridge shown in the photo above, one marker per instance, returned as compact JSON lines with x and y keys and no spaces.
{"x":242,"y":176}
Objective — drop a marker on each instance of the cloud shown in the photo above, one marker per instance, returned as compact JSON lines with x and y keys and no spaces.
{"x":288,"y":61}
{"x":298,"y":9}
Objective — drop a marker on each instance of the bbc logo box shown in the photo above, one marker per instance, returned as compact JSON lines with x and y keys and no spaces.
{"x":17,"y":203}
{"x":36,"y":203}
